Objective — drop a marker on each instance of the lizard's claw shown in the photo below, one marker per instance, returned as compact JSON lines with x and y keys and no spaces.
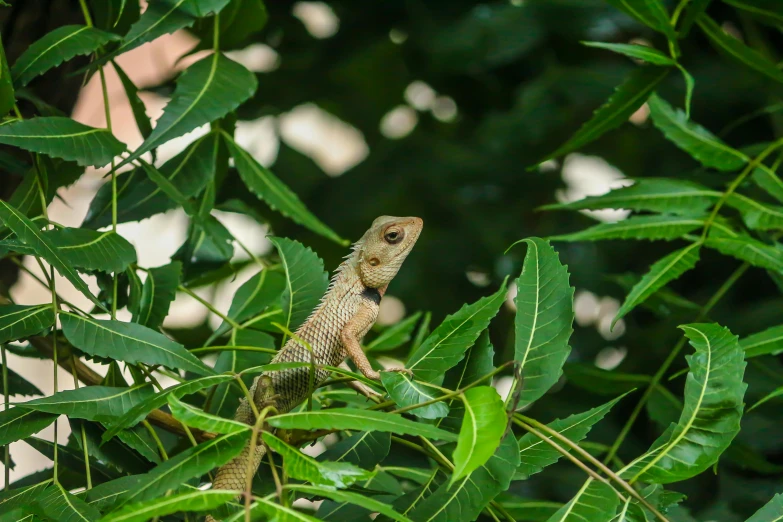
{"x":406,"y":371}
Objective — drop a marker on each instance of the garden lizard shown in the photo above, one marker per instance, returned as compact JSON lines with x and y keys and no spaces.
{"x":333,"y":331}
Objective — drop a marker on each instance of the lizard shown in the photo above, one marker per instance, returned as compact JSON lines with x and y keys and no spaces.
{"x":334,"y":331}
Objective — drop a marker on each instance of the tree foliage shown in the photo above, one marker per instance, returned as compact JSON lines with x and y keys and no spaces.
{"x":511,"y":411}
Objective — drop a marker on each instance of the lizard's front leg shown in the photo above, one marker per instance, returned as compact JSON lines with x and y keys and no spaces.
{"x":351,"y":337}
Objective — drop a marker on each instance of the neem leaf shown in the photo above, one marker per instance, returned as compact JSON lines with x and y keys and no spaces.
{"x":194,"y":500}
{"x":544,"y":318}
{"x":206,"y":91}
{"x":18,"y":321}
{"x":157,"y":294}
{"x":64,"y":138}
{"x":640,"y":52}
{"x":98,"y":403}
{"x":57,"y":47}
{"x":129,"y":342}
{"x":637,"y":227}
{"x":19,"y":423}
{"x":769,"y":341}
{"x":406,"y":392}
{"x":446,"y":346}
{"x":482,"y":428}
{"x":627,"y":98}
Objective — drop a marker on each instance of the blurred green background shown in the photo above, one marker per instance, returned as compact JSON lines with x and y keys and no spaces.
{"x":489,"y":89}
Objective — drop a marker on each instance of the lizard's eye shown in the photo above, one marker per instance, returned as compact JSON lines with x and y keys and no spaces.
{"x":393,"y":236}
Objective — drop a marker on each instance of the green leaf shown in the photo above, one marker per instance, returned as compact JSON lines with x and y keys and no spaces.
{"x":193,"y":462}
{"x":197,"y":418}
{"x":71,"y":458}
{"x":756,"y":215}
{"x":19,"y":423}
{"x":306,"y":281}
{"x":446,"y":346}
{"x":595,"y":501}
{"x":64,"y":138}
{"x":694,"y":139}
{"x":27,"y":196}
{"x":253,"y":297}
{"x":464,"y":501}
{"x":29,"y":233}
{"x":767,"y":342}
{"x":406,"y":392}
{"x":747,"y":249}
{"x":299,"y":466}
{"x":195,"y":500}
{"x":138,"y":197}
{"x":272,"y":511}
{"x":640,"y":52}
{"x":711,"y":413}
{"x":661,"y":273}
{"x":157,"y":294}
{"x":115,"y":454}
{"x":769,"y":11}
{"x":87,"y":249}
{"x":738,"y":51}
{"x":268,"y":188}
{"x":627,"y":98}
{"x":137,"y":106}
{"x":771,"y":512}
{"x":11,"y":499}
{"x":238,"y":22}
{"x":543,"y":321}
{"x":7,"y":98}
{"x":58,"y":504}
{"x":535,"y":454}
{"x":104,"y":496}
{"x":129,"y":342}
{"x":651,"y":13}
{"x":19,"y":322}
{"x":226,"y":395}
{"x":364,"y":449}
{"x":206,"y":91}
{"x":767,"y":179}
{"x":350,"y":497}
{"x":353,"y":419}
{"x":483,"y":426}
{"x":18,"y":385}
{"x":670,"y":196}
{"x":637,"y":227}
{"x":590,"y":377}
{"x":135,"y":414}
{"x":98,"y":403}
{"x":394,"y":336}
{"x":57,"y":47}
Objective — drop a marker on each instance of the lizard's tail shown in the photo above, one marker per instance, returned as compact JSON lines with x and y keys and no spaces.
{"x":234,"y":474}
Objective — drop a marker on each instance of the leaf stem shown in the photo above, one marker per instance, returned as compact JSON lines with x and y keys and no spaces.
{"x":228,"y":348}
{"x":209,"y":306}
{"x":595,"y":462}
{"x":83,"y":433}
{"x":86,"y":13}
{"x":54,"y":356}
{"x":158,"y":442}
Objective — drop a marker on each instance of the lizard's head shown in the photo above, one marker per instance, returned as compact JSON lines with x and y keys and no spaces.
{"x":383,"y":248}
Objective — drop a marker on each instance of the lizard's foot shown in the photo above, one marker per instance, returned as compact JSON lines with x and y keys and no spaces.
{"x":406,"y":371}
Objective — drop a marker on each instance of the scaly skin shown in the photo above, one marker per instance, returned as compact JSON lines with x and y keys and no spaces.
{"x":334,"y":331}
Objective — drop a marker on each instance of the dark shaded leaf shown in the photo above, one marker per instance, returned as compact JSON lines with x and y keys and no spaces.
{"x":406,"y":392}
{"x":639,"y":52}
{"x":19,"y":321}
{"x":157,"y":294}
{"x":637,"y":227}
{"x":19,"y":423}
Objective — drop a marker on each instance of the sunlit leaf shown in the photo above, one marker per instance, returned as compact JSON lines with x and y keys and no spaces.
{"x":194,"y":500}
{"x":268,"y":187}
{"x":299,"y":466}
{"x":747,"y":249}
{"x":767,"y":179}
{"x":57,"y":47}
{"x":543,"y":322}
{"x":670,"y":196}
{"x":693,"y":138}
{"x":482,"y":428}
{"x":535,"y":454}
{"x":637,"y":227}
{"x":771,"y":512}
{"x":767,"y":342}
{"x":446,"y":346}
{"x":738,"y":51}
{"x":271,"y":511}
{"x":19,"y":321}
{"x":661,"y":273}
{"x":306,"y":281}
{"x":711,"y":414}
{"x":64,"y":138}
{"x":405,"y":391}
{"x":197,"y":418}
{"x":13,"y":498}
{"x":354,"y":419}
{"x":639,"y":52}
{"x":129,"y":342}
{"x":98,"y":403}
{"x":595,"y":501}
{"x":627,"y":98}
{"x":193,"y":462}
{"x":206,"y":91}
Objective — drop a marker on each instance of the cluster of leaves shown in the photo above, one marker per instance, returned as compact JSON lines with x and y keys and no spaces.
{"x":460,"y":452}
